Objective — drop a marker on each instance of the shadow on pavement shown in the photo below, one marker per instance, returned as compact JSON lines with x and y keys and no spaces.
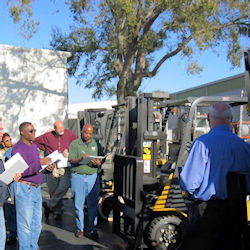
{"x":60,"y":234}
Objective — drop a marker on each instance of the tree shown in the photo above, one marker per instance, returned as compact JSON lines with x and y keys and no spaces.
{"x":21,"y":12}
{"x":117,"y":40}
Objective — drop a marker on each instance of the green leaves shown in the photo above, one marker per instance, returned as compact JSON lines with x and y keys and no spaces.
{"x":21,"y":11}
{"x":114,"y":42}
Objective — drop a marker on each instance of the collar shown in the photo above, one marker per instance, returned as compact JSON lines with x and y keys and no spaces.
{"x":80,"y":141}
{"x":55,"y":134}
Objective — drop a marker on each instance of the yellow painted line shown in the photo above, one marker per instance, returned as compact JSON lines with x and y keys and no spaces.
{"x":248,"y":209}
{"x":170,"y":210}
{"x":163,"y":197}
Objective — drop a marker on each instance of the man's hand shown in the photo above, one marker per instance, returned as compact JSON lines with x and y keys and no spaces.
{"x":85,"y":156}
{"x":96,"y":162}
{"x":17,"y":176}
{"x":45,"y":161}
{"x":65,"y":153}
{"x":51,"y":167}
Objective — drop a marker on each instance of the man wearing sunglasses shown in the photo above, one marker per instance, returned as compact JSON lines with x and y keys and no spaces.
{"x":27,"y":190}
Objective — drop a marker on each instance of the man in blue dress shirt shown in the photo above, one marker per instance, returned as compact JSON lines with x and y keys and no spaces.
{"x":204,"y":178}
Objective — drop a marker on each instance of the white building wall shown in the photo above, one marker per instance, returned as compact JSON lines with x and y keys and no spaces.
{"x":33,"y":84}
{"x":74,"y":108}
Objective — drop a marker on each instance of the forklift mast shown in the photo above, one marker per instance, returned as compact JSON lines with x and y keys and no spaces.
{"x":247,"y":76}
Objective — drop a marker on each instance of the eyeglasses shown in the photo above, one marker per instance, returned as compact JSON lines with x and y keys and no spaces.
{"x":32,"y":131}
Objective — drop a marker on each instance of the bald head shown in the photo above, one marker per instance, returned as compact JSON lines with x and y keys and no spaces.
{"x":87,"y":132}
{"x":59,"y":127}
{"x":220,"y":113}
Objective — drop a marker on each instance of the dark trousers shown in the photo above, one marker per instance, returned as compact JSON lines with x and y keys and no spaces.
{"x":209,"y":226}
{"x":10,"y":216}
{"x":57,"y":188}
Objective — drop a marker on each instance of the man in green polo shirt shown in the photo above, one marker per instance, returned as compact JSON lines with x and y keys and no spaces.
{"x":85,"y":180}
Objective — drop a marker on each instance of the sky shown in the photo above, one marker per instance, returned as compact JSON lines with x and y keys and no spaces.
{"x":172,"y":76}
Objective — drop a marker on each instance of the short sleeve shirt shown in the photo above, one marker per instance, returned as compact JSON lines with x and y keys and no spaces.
{"x":77,"y":149}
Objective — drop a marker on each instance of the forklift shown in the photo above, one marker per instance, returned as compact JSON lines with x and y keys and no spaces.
{"x":147,"y":139}
{"x":155,"y":138}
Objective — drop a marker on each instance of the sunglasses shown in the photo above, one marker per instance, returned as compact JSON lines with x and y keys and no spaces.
{"x":32,"y":131}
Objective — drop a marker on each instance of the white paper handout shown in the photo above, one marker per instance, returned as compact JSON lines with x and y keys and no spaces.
{"x":16,"y":164}
{"x":94,"y":156}
{"x":57,"y":158}
{"x":63,"y":162}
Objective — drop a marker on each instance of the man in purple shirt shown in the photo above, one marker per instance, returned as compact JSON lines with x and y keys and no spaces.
{"x":27,"y":190}
{"x":58,"y":139}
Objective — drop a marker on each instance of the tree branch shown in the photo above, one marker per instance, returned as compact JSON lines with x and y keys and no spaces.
{"x":183,"y":44}
{"x":150,"y":22}
{"x":224,"y":25}
{"x":164,"y":58}
{"x":138,"y":17}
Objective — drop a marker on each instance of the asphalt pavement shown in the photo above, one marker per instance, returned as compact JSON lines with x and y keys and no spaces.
{"x":60,"y":234}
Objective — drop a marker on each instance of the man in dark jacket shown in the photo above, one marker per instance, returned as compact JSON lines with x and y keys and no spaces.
{"x":4,"y":194}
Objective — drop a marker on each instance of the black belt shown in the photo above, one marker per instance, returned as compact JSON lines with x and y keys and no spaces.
{"x":191,"y":198}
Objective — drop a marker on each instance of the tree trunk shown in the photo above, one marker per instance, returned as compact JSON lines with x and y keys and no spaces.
{"x":121,"y":90}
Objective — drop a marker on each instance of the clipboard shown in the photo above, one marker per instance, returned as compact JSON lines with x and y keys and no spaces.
{"x":16,"y":164}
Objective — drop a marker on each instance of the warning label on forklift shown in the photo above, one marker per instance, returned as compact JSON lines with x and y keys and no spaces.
{"x":146,"y":157}
{"x":146,"y":151}
{"x":146,"y":167}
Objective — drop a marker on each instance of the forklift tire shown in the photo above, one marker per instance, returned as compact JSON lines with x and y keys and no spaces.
{"x":164,"y":232}
{"x":105,"y":206}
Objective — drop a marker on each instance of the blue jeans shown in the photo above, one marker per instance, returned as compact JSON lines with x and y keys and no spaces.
{"x":2,"y":230}
{"x":28,"y":202}
{"x":85,"y":187}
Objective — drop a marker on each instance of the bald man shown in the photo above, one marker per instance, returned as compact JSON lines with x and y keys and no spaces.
{"x":57,"y":139}
{"x":85,"y":181}
{"x":204,"y":178}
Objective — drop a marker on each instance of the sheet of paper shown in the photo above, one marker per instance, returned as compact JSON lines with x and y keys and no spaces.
{"x":16,"y":164}
{"x":96,"y":157}
{"x":57,"y":158}
{"x":63,"y":162}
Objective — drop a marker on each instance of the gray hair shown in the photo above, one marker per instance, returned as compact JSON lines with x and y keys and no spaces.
{"x":221,"y":111}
